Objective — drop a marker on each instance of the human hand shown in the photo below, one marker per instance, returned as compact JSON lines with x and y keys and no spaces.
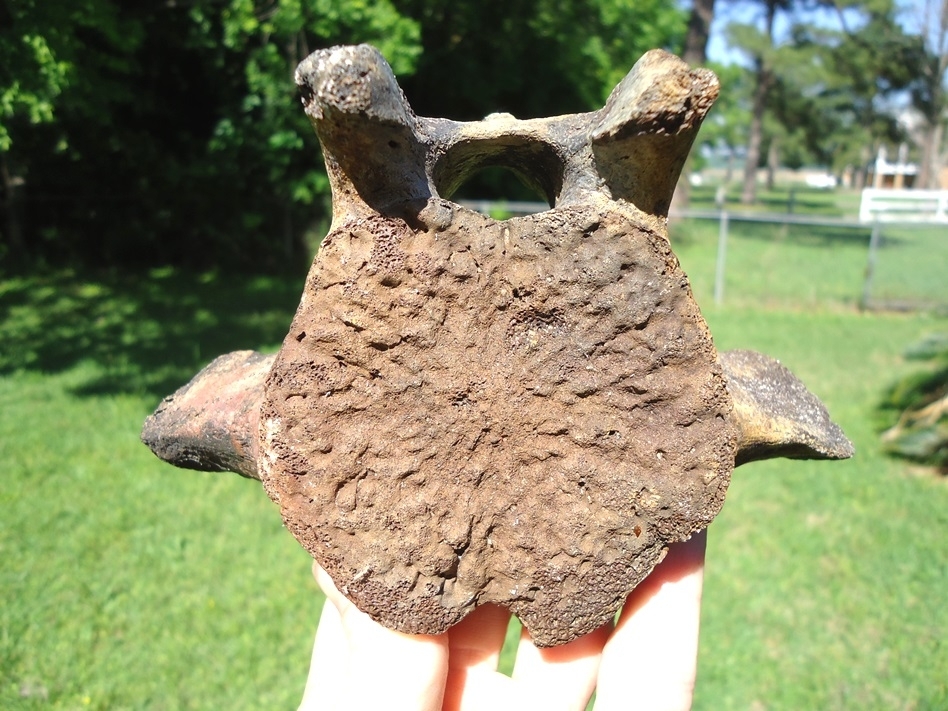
{"x":647,"y":660}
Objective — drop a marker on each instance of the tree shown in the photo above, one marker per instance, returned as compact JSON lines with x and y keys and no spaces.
{"x":757,"y":40}
{"x":39,"y":52}
{"x":866,"y":60}
{"x":261,"y":133}
{"x":695,"y":51}
{"x":725,"y":129}
{"x":529,"y":58}
{"x":929,"y":92}
{"x":174,"y":134}
{"x":823,"y":81}
{"x":695,"y":54}
{"x":171,"y":133}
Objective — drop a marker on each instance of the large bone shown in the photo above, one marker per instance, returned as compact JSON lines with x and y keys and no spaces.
{"x":210,"y":424}
{"x":468,"y":411}
{"x":776,"y":415}
{"x":632,"y":149}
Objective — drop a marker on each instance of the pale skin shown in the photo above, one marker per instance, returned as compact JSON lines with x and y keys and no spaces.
{"x":646,"y":661}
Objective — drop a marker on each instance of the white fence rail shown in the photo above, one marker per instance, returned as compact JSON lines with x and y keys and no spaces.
{"x":881,"y":205}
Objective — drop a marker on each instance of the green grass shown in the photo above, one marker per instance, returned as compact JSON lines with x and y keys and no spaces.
{"x":796,"y":199}
{"x":772,"y":266}
{"x":128,"y":584}
{"x":793,"y":266}
{"x":826,"y":581}
{"x":912,"y":266}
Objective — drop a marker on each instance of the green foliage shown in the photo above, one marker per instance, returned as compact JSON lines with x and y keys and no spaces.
{"x":530,"y":57}
{"x":725,"y":128}
{"x":171,"y":133}
{"x":40,"y":49}
{"x":858,"y":64}
{"x":36,"y":101}
{"x":272,"y":40}
{"x":915,"y":408}
{"x":830,"y":74}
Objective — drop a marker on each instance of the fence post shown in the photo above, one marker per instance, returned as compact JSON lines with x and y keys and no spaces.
{"x":722,"y":257}
{"x":874,"y":240}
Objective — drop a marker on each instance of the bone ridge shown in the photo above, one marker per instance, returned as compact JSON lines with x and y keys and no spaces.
{"x":363,"y":119}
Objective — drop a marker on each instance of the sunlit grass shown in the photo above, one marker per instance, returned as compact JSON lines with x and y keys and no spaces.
{"x":127,"y":584}
{"x":823,"y":578}
{"x":814,"y":266}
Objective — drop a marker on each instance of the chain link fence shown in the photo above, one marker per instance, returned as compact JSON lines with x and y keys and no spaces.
{"x":809,"y":262}
{"x":795,"y":261}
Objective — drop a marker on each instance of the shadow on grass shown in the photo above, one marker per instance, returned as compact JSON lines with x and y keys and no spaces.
{"x":686,"y":232}
{"x":798,"y":200}
{"x":818,"y":236}
{"x":147,"y":333}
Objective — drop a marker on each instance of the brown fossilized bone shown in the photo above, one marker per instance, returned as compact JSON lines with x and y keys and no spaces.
{"x":466,"y":411}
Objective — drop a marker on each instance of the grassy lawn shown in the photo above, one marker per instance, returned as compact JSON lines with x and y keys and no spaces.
{"x":793,"y":266}
{"x":826,"y":580}
{"x":127,"y":584}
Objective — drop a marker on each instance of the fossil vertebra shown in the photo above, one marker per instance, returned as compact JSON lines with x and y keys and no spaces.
{"x":525,"y":412}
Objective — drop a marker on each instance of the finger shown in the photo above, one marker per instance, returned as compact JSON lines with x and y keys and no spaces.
{"x":475,"y":643}
{"x":561,"y":677}
{"x":384,"y":668}
{"x":550,"y":679}
{"x":328,"y":666}
{"x":652,"y":656}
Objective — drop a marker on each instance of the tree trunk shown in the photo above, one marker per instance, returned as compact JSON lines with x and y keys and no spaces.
{"x":773,"y":163}
{"x":935,"y":31}
{"x":858,"y":178}
{"x":755,"y":134}
{"x":695,"y":54}
{"x":929,"y":171}
{"x":936,"y":164}
{"x":11,"y":223}
{"x":699,"y":30}
{"x":764,"y":80}
{"x":860,"y":171}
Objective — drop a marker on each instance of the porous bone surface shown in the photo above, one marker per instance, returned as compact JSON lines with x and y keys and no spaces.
{"x":523,"y":412}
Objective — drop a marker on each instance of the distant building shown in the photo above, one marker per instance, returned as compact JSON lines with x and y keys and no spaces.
{"x":897,"y":175}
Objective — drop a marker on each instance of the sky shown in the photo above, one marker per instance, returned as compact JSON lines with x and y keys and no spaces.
{"x":727,"y":11}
